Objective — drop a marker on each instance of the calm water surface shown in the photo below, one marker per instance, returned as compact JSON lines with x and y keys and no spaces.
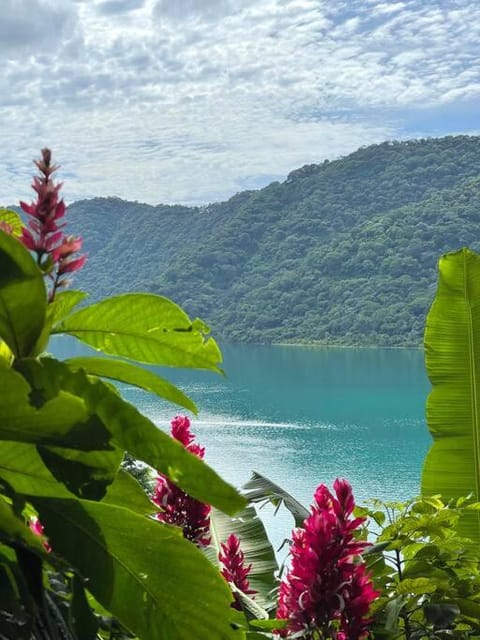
{"x":302,"y":416}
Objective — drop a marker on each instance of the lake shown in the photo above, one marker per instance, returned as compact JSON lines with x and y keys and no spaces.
{"x":302,"y":416}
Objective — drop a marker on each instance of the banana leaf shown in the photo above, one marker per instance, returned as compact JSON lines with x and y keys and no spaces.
{"x":452,"y":357}
{"x":260,"y":489}
{"x":254,"y":543}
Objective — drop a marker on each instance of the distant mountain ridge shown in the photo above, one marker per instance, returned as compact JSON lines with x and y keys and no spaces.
{"x":343,"y":252}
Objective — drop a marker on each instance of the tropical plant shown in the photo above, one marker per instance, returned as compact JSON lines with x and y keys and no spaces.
{"x":427,"y":574}
{"x":63,"y":434}
{"x":452,"y":357}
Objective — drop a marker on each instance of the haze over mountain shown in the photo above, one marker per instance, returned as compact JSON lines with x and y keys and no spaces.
{"x":343,"y":252}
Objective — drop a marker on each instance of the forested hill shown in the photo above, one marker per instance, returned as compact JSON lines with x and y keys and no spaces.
{"x":343,"y":252}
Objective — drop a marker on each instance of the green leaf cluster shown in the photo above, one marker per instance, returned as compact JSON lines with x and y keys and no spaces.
{"x":428,"y":575}
{"x":64,"y":431}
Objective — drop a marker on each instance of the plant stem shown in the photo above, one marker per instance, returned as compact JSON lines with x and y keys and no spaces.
{"x":403,"y":613}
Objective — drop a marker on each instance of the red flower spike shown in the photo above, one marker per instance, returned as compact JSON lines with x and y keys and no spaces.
{"x":234,"y":570}
{"x":180,"y":430}
{"x":179,"y":508}
{"x":327,"y":591}
{"x":44,"y":235}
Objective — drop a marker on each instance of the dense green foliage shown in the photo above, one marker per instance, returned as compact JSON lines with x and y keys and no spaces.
{"x":429,"y":576}
{"x":343,"y":253}
{"x":63,"y":434}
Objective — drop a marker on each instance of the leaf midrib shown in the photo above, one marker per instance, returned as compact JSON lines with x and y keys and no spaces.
{"x":141,"y":332}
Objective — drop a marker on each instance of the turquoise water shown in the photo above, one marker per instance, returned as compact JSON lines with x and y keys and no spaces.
{"x":302,"y":416}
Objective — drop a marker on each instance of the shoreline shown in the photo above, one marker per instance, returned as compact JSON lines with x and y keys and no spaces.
{"x":326,"y":345}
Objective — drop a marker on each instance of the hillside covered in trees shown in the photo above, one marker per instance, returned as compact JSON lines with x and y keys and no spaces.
{"x":342,"y":252}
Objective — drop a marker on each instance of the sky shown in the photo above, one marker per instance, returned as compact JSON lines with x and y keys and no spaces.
{"x":191,"y":101}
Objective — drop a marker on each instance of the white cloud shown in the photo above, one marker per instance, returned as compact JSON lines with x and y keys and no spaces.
{"x":195,"y":9}
{"x":111,"y":7}
{"x":190,"y":100}
{"x":29,"y":25}
{"x":388,"y":7}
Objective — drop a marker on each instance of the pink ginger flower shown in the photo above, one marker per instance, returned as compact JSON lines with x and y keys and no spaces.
{"x":178,"y":507}
{"x":234,"y":570}
{"x":327,"y":592}
{"x":37,"y":528}
{"x":44,"y":235}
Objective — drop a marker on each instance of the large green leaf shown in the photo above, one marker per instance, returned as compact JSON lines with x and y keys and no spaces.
{"x":57,"y":310}
{"x":135,"y":433}
{"x":146,"y":328}
{"x":23,"y":298}
{"x":64,"y":302}
{"x":57,"y":473}
{"x":61,"y":419}
{"x":62,"y":473}
{"x":87,"y":474}
{"x":452,"y":357}
{"x":24,"y":470}
{"x":158,"y":584}
{"x":127,"y":492}
{"x":254,"y":542}
{"x":260,"y":489}
{"x":131,"y":374}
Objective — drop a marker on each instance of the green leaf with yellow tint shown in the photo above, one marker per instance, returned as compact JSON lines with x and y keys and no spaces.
{"x":146,"y":328}
{"x":57,"y":310}
{"x":12,"y":221}
{"x":6,"y":355}
{"x":132,"y":374}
